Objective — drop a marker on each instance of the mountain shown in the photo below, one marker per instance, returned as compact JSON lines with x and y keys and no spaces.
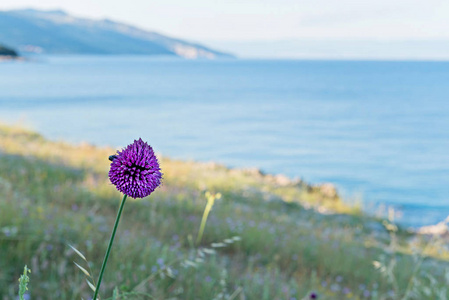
{"x":4,"y":51}
{"x":56,"y":32}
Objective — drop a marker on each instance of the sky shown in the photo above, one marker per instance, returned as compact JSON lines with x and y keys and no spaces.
{"x":235,"y":22}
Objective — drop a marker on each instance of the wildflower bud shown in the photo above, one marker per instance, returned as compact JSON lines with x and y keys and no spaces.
{"x":135,"y":170}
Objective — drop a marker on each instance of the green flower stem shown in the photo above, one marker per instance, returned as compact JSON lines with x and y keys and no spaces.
{"x":210,"y":202}
{"x":203,"y":223}
{"x":110,"y":246}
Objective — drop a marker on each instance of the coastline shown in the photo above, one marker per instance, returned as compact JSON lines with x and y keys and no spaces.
{"x":323,"y":198}
{"x":5,"y":58}
{"x":53,"y":193}
{"x":355,"y":154}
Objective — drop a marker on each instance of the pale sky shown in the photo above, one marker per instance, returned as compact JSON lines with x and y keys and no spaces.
{"x":264,"y":20}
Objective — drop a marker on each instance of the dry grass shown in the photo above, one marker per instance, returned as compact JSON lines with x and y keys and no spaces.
{"x":53,"y":194}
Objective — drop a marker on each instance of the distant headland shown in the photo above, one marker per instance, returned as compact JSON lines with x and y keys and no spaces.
{"x":57,"y":32}
{"x":7,"y":53}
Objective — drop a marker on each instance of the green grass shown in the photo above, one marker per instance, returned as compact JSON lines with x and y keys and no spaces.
{"x":53,"y":194}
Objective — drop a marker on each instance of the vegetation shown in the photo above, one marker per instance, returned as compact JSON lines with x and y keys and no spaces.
{"x":7,"y":51}
{"x":265,"y":237}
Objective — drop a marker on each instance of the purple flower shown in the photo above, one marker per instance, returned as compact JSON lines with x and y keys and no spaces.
{"x":313,"y":295}
{"x":135,"y":170}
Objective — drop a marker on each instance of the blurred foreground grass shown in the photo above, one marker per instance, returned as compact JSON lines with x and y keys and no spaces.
{"x":293,"y":238}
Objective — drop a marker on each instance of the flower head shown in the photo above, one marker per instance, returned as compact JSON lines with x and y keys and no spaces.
{"x":135,"y":170}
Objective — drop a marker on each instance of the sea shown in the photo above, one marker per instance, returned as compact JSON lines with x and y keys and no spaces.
{"x":378,"y":130}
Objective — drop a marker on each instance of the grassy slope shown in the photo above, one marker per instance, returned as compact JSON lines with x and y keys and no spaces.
{"x":52,"y":193}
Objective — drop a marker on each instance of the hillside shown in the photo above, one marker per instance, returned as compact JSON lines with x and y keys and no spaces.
{"x":267,"y":237}
{"x":4,"y":51}
{"x":56,"y":32}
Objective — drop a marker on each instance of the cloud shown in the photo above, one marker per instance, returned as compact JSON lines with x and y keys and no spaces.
{"x":269,"y":19}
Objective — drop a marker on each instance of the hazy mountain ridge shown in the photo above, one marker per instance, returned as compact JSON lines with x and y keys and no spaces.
{"x":56,"y":32}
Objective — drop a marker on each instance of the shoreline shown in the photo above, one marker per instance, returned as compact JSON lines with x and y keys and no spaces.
{"x":54,"y":193}
{"x":327,"y":200}
{"x":346,"y":155}
{"x":5,"y":58}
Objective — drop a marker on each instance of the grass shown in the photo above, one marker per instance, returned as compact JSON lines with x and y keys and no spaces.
{"x":290,"y":238}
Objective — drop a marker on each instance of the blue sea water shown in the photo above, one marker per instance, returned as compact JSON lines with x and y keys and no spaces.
{"x":378,"y":130}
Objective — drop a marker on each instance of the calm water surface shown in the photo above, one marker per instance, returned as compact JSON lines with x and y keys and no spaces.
{"x":378,"y":130}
